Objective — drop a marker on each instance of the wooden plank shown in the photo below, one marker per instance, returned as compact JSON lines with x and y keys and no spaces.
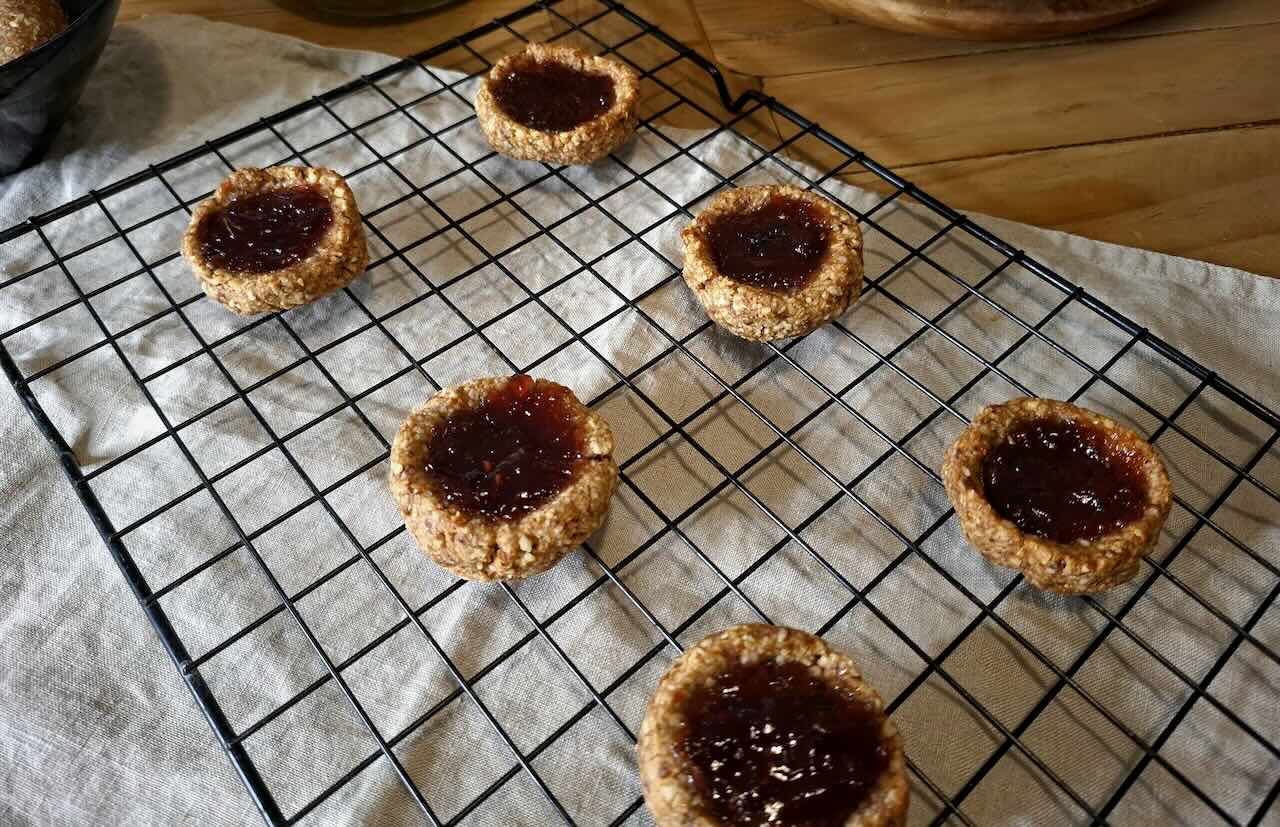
{"x":406,"y":35}
{"x":765,"y":37}
{"x":397,"y":36}
{"x":1200,"y":195}
{"x":1000,"y":102}
{"x":676,"y":17}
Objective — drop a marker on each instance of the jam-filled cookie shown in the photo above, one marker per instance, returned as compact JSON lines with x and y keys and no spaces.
{"x":498,"y":479}
{"x":275,"y":238}
{"x":1070,"y":497}
{"x":771,"y":262}
{"x":558,"y":104}
{"x":762,"y":725}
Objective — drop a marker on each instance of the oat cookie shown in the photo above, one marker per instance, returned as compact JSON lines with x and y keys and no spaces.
{"x":275,"y":238}
{"x":558,"y":104}
{"x":1070,"y":497}
{"x":28,"y":24}
{"x":772,"y":262}
{"x":763,"y":724}
{"x":497,"y":479}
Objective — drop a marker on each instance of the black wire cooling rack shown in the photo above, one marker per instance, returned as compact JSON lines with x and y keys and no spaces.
{"x":1199,"y":411}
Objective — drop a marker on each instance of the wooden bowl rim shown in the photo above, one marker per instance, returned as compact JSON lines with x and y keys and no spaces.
{"x":990,"y":19}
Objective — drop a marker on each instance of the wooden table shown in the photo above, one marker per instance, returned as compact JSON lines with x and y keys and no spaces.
{"x":1163,"y":133}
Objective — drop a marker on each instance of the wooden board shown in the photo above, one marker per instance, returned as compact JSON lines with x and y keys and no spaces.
{"x":1181,"y":157}
{"x":991,"y":19}
{"x":770,"y":39}
{"x":1122,"y":192}
{"x":1001,"y":102}
{"x":402,"y":35}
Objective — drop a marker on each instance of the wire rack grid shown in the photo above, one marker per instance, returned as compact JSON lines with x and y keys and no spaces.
{"x":1231,"y":435}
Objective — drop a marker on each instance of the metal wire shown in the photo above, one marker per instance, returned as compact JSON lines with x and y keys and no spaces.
{"x":611,"y":577}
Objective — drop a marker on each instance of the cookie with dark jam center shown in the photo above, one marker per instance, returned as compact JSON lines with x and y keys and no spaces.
{"x":778,"y":246}
{"x":266,"y":231}
{"x":773,"y":744}
{"x":510,"y":455}
{"x":1063,"y":480}
{"x":551,"y":96}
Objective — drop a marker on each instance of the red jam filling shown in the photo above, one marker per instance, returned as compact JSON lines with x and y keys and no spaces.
{"x":1064,"y":481}
{"x":266,"y":231}
{"x":510,"y":455}
{"x":778,"y":247}
{"x":551,"y":97}
{"x":772,"y":744}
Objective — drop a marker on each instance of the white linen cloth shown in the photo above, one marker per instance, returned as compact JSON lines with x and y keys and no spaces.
{"x":96,"y":726}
